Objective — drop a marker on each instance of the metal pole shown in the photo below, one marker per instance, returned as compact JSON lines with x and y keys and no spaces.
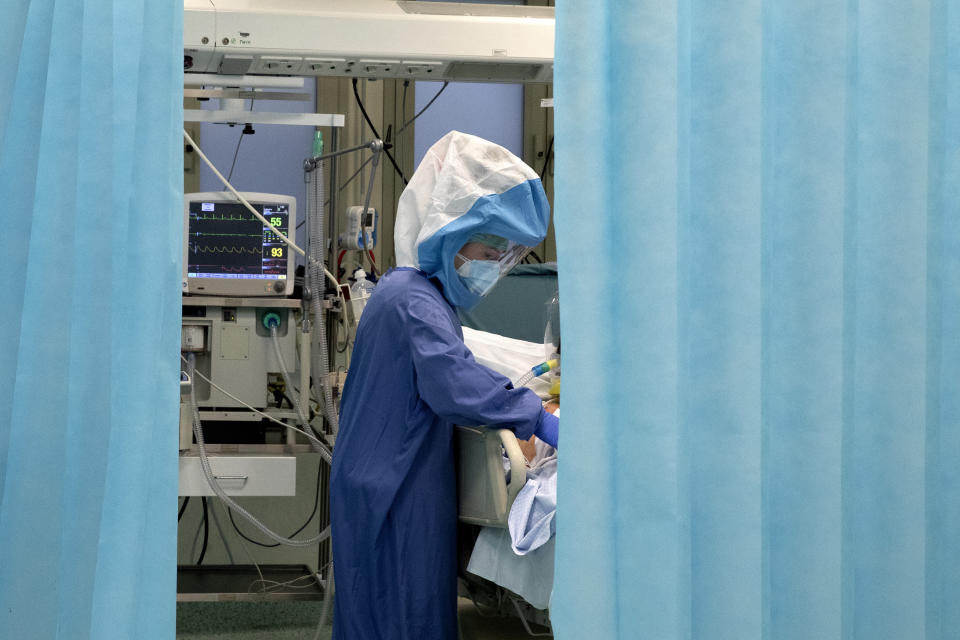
{"x":311,"y":163}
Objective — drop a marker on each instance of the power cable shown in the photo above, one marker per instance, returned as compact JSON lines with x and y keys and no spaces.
{"x":246,"y":129}
{"x":206,"y":532}
{"x":546,"y":159}
{"x":316,"y":502}
{"x":420,"y":113}
{"x":356,"y":173}
{"x":533,"y":254}
{"x":376,"y":134}
{"x":236,"y":399}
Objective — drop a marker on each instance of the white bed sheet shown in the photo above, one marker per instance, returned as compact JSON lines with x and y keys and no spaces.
{"x":529,"y":576}
{"x":508,"y":356}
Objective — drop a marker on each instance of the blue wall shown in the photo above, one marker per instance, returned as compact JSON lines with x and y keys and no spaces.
{"x":491,"y":111}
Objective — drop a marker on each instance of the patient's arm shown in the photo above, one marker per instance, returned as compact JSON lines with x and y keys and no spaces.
{"x":528,"y":447}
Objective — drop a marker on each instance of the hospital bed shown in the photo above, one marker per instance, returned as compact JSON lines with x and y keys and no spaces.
{"x":491,"y":574}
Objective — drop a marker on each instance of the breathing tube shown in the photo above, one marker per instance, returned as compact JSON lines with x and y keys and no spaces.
{"x":217,"y":489}
{"x":318,"y":446}
{"x":536,"y":372}
{"x":315,"y":282}
{"x":321,"y":368}
{"x":327,"y":599}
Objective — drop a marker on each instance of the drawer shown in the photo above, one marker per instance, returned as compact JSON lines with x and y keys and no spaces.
{"x":240,"y":475}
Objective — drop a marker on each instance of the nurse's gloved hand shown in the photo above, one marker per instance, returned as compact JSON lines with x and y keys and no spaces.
{"x":549,"y":429}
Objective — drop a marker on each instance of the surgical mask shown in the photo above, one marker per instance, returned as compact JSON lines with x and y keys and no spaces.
{"x":479,"y":276}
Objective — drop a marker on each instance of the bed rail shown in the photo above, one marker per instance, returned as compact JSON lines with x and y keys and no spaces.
{"x":485,"y":495}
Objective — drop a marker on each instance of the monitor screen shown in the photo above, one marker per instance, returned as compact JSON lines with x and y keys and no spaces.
{"x":229,"y":252}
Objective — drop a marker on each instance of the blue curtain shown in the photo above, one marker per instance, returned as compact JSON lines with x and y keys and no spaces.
{"x":758,"y":227}
{"x":91,"y":193}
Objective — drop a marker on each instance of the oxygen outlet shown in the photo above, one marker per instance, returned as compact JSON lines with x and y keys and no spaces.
{"x":270,"y":320}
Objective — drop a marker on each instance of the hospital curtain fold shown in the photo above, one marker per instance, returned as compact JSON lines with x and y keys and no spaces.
{"x":91,"y":177}
{"x":758,"y":228}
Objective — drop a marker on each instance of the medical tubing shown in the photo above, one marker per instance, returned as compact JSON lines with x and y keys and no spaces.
{"x":304,"y":421}
{"x":316,"y":273}
{"x":217,"y":489}
{"x":313,"y":513}
{"x":524,"y":379}
{"x":223,"y":538}
{"x":305,"y":361}
{"x":266,"y":416}
{"x":327,"y":598}
{"x":535,"y":372}
{"x":239,"y":197}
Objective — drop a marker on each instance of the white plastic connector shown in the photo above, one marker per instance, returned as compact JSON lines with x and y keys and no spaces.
{"x":192,"y":338}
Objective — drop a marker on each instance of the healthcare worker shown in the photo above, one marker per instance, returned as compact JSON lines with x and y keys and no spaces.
{"x":471,"y":211}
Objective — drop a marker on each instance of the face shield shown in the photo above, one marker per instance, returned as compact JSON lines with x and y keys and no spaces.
{"x":471,"y":211}
{"x":486,"y":258}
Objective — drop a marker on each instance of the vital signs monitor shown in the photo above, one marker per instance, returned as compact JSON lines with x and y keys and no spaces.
{"x":227,"y":251}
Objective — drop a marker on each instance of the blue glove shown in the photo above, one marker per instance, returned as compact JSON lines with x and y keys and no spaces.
{"x":549,"y":429}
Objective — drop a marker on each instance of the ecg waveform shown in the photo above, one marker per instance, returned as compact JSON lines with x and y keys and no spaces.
{"x":254,"y":250}
{"x":226,"y":239}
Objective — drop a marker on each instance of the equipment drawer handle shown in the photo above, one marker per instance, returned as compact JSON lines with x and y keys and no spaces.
{"x":230,"y":477}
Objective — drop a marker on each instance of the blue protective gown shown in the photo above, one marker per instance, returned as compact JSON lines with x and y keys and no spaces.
{"x":393,"y":492}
